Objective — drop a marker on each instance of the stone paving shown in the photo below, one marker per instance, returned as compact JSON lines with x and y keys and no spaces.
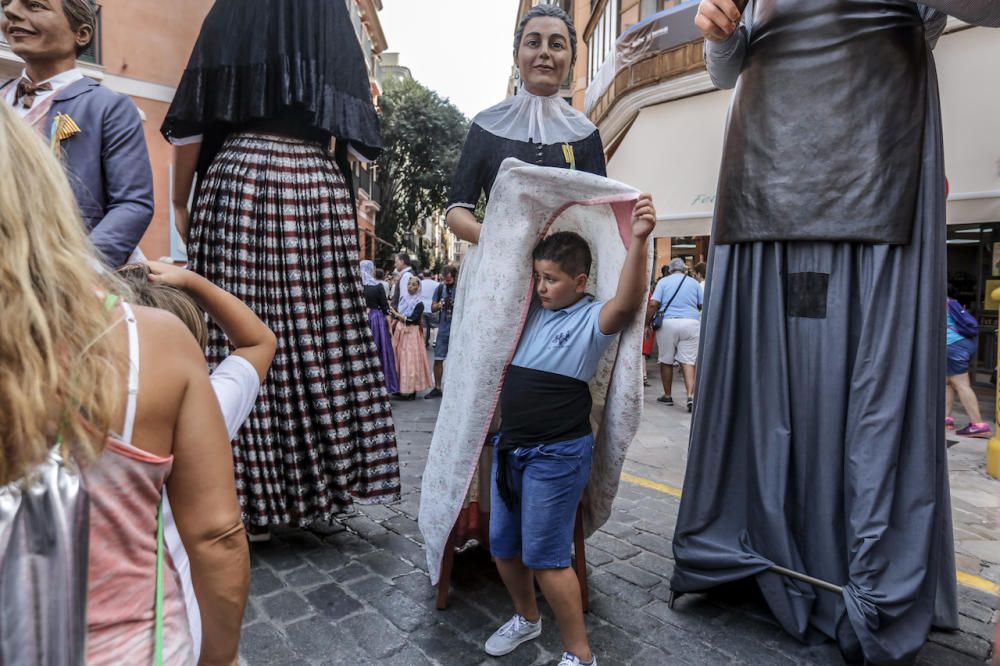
{"x":361,"y":594}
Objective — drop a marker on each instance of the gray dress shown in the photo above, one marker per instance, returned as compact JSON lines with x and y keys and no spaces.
{"x":818,"y":442}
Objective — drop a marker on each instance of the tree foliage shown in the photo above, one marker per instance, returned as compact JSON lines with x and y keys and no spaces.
{"x":422,"y":136}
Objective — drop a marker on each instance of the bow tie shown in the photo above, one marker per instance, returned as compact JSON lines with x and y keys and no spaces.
{"x":26,"y":92}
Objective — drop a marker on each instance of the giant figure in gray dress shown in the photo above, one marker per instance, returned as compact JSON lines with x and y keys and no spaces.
{"x":818,"y":445}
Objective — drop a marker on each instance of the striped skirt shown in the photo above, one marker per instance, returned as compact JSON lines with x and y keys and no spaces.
{"x":274,"y":226}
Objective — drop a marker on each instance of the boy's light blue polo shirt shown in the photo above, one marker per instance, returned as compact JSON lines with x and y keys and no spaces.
{"x":565,"y":342}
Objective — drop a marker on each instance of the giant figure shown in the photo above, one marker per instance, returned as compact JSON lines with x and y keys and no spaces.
{"x":96,"y":132}
{"x":818,"y":445}
{"x":270,"y":87}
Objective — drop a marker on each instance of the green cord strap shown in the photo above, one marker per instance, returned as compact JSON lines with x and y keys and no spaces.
{"x":158,"y":636}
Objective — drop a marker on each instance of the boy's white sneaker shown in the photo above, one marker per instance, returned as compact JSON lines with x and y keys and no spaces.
{"x":517,"y":630}
{"x":570,"y":659}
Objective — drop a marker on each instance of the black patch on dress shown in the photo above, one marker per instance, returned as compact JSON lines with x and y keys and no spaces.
{"x":807,"y":295}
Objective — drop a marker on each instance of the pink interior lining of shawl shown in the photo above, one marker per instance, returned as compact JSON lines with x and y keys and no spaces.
{"x":622,"y":206}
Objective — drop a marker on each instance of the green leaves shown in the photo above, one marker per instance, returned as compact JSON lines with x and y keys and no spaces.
{"x":422,"y":136}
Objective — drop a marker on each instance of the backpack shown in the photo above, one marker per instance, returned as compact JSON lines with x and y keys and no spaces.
{"x":44,"y":529}
{"x":965,"y":324}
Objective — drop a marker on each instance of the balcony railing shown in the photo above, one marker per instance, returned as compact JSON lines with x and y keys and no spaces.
{"x":656,"y":48}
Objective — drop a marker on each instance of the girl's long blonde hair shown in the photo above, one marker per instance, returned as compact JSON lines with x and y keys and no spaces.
{"x":60,"y":370}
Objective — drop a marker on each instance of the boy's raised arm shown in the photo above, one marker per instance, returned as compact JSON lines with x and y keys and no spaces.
{"x":619,"y":311}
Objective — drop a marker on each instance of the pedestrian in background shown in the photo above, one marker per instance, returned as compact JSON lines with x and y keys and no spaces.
{"x":701,"y":274}
{"x":648,"y":339}
{"x":963,"y":333}
{"x":676,"y":302}
{"x":411,"y":354}
{"x":378,"y":311}
{"x":403,"y":267}
{"x":443,"y":304}
{"x":428,"y":287}
{"x":381,"y":281}
{"x":293,"y":255}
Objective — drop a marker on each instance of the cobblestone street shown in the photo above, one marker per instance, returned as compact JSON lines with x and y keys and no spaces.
{"x":362,"y":596}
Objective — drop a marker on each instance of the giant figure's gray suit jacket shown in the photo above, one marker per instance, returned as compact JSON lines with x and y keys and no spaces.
{"x":107,"y":164}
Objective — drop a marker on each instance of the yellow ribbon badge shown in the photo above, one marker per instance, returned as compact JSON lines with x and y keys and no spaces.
{"x":63,"y":127}
{"x":569,"y":156}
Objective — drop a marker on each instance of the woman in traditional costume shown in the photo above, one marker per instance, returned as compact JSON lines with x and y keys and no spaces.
{"x":536,"y":126}
{"x":270,"y":85}
{"x":377,"y":300}
{"x":408,"y":342}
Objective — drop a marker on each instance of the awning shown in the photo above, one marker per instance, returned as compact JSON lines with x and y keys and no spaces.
{"x":967,"y":63}
{"x":673,"y":151}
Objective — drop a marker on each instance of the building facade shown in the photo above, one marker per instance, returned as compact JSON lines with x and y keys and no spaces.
{"x":368,"y":28}
{"x":130,"y":58}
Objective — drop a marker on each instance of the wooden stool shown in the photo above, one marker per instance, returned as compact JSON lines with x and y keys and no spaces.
{"x":579,"y":565}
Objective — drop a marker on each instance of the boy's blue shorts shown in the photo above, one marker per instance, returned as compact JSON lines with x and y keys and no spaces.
{"x":548,"y":480}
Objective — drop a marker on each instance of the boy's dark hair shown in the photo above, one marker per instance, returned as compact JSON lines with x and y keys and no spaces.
{"x":664,"y":270}
{"x":701,"y":269}
{"x":449,"y":270}
{"x":566,"y":249}
{"x":379,"y":274}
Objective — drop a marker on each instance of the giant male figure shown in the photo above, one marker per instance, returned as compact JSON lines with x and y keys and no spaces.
{"x":818,"y":445}
{"x":98,"y":133}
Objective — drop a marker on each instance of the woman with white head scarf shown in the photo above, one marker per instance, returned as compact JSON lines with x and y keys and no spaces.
{"x":378,"y":308}
{"x":408,"y":341}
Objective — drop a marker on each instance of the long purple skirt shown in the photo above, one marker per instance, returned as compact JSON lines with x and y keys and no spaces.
{"x":383,"y":340}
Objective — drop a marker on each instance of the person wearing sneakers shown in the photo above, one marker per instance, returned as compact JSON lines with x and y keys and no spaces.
{"x":543,"y":450}
{"x":963,"y":331}
{"x":679,"y":297}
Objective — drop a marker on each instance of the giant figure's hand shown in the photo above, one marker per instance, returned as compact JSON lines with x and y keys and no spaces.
{"x":717,"y":19}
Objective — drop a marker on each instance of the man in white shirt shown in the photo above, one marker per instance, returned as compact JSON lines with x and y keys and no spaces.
{"x":428,"y":287}
{"x":401,"y":262}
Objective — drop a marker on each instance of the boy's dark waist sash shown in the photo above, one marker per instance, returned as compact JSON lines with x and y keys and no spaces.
{"x":537,"y":408}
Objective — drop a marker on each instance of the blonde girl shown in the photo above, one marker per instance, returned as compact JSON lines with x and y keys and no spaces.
{"x":129,"y":390}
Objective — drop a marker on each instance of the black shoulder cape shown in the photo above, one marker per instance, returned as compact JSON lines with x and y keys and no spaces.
{"x":260,"y":59}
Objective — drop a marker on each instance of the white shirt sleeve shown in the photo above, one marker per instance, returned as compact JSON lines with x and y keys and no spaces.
{"x":186,"y":140}
{"x":236,"y":386}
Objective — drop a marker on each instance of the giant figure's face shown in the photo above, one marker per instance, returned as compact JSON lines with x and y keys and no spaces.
{"x":38,"y":30}
{"x":544,"y":55}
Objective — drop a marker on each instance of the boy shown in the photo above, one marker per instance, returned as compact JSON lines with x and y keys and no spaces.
{"x":543,"y":450}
